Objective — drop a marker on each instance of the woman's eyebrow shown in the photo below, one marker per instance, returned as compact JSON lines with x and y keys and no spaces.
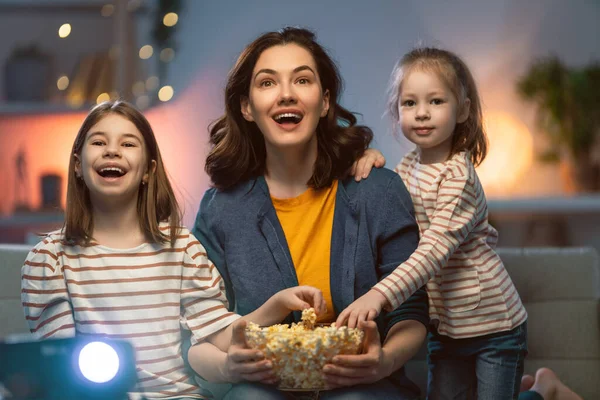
{"x":304,"y":68}
{"x":273,"y":72}
{"x":265,"y":71}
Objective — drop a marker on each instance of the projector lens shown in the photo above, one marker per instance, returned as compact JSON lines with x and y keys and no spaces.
{"x":98,"y":362}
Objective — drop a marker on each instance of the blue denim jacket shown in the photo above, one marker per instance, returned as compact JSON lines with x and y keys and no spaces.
{"x":374,"y":230}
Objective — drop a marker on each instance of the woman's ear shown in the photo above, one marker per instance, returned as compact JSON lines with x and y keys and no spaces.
{"x":245,"y":106}
{"x":463,"y":113}
{"x":325,"y":103}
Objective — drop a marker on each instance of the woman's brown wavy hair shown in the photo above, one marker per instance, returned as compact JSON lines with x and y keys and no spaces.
{"x":469,"y":135}
{"x":238,"y":147}
{"x":156,"y":199}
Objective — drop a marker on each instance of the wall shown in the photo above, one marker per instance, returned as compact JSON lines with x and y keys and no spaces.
{"x":498,"y":39}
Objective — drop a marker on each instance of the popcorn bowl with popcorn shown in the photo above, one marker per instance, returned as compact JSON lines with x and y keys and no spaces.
{"x":300,"y":351}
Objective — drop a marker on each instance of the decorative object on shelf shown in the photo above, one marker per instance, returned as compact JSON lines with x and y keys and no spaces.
{"x":568,"y":112}
{"x":21,"y":200}
{"x":51,"y":192}
{"x":27,"y":74}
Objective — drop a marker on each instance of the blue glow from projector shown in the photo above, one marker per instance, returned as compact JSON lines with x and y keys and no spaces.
{"x":98,"y":362}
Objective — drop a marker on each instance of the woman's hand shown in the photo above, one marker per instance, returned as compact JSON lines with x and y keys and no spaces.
{"x":244,"y":363}
{"x":363,"y":166}
{"x":370,"y":366}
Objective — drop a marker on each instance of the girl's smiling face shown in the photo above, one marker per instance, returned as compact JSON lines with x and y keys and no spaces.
{"x":113,"y":161}
{"x":428,"y":114}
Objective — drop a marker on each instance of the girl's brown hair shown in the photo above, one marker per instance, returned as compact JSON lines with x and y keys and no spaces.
{"x":238,"y":147}
{"x":156,"y":199}
{"x":469,"y":135}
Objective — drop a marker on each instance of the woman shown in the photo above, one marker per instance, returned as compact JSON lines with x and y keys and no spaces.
{"x":284,"y":212}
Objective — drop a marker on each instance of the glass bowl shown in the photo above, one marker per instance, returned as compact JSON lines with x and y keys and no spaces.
{"x":299,"y":355}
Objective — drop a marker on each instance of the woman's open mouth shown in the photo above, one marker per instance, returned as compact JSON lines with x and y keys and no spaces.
{"x":288,"y":119}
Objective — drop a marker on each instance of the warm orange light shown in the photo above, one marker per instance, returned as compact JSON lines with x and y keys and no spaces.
{"x":46,"y":140}
{"x":102,"y":97}
{"x":75,"y":99}
{"x":510,"y":153}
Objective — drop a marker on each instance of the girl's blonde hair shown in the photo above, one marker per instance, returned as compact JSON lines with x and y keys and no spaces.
{"x":156,"y":199}
{"x":469,"y":135}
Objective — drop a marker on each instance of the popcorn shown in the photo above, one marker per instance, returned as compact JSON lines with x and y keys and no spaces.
{"x":309,"y":317}
{"x":300,"y":351}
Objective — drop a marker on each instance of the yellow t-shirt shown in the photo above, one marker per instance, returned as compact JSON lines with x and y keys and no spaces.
{"x":307,"y":221}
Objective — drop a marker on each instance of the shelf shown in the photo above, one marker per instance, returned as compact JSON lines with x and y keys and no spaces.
{"x":25,"y":108}
{"x":581,"y":204}
{"x":32,"y":218}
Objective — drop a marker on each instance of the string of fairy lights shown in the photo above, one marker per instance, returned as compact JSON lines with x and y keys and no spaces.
{"x":140,"y":89}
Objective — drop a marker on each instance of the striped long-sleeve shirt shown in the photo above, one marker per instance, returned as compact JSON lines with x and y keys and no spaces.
{"x":145,"y":295}
{"x":470,"y":292}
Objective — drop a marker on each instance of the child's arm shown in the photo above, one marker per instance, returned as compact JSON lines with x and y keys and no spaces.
{"x":455,"y":216}
{"x":239,"y":363}
{"x":226,"y":357}
{"x":44,"y":294}
{"x":275,"y":310}
{"x":203,"y":299}
{"x":363,"y":166}
{"x":206,"y":315}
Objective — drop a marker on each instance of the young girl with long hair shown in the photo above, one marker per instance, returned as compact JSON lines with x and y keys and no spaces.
{"x":122,"y":267}
{"x":477,"y":343}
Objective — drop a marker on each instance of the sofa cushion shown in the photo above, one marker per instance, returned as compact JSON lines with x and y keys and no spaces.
{"x":560,"y":288}
{"x":553,"y":274}
{"x":11,"y":313}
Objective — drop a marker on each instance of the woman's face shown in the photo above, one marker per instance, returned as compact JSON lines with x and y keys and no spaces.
{"x":286,"y":99}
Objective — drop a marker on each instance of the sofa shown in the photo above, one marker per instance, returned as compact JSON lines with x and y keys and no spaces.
{"x":560,"y":288}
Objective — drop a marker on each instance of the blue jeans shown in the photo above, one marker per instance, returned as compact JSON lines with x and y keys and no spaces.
{"x":488,"y":367}
{"x":383,"y":389}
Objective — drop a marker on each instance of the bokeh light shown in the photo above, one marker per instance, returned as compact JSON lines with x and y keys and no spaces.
{"x":146,"y":52}
{"x":170,"y":19}
{"x":167,"y":54}
{"x":165,"y":93}
{"x":64,"y":30}
{"x":510,"y":153}
{"x":62,"y":83}
{"x":102,"y":97}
